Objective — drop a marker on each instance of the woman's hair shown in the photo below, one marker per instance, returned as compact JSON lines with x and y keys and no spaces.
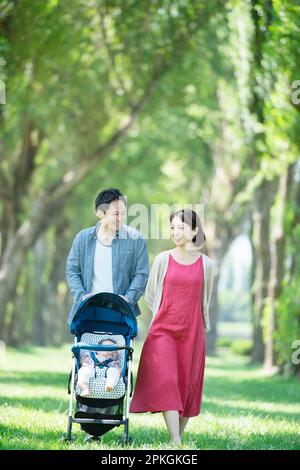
{"x":191,"y":218}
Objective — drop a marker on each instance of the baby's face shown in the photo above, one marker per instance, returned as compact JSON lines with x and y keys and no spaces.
{"x":108,"y":354}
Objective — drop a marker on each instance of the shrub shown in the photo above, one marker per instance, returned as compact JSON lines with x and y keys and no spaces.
{"x":243,"y":347}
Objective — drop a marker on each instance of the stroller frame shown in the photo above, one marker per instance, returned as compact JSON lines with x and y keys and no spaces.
{"x":113,"y":299}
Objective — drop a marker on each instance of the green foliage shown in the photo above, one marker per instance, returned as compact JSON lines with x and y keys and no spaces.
{"x":242,"y":347}
{"x":288,"y":322}
{"x":224,"y":342}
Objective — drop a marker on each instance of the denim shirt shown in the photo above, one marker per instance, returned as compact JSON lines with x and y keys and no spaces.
{"x":130,"y":265}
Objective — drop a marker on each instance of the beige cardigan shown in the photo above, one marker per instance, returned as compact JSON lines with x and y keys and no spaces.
{"x":154,"y":288}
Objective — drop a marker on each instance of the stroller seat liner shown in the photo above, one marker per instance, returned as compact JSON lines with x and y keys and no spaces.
{"x":97,"y":383}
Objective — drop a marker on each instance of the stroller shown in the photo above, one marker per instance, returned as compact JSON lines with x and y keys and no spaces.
{"x":103,"y":316}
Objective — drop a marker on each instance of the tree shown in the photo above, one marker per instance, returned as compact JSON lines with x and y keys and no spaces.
{"x":62,"y":68}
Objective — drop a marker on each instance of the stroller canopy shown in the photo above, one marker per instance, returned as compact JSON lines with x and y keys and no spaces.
{"x":106,"y":311}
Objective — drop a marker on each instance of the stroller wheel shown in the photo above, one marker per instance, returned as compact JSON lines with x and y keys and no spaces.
{"x":66,"y":439}
{"x":123,"y":441}
{"x":91,"y":438}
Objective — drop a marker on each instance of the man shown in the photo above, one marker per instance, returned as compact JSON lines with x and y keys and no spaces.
{"x":109,"y":257}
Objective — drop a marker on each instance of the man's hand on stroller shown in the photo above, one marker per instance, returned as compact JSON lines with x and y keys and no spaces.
{"x":91,"y":293}
{"x":124,"y":297}
{"x":86,"y":296}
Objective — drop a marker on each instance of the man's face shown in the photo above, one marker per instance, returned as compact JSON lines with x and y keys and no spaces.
{"x":114,"y":215}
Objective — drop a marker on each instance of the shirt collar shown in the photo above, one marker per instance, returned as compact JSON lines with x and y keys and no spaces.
{"x":119,"y":233}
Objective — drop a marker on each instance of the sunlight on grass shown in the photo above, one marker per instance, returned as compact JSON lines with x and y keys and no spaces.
{"x":242,"y":408}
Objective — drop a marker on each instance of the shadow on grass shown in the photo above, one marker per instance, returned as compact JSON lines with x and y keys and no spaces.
{"x":220,"y":410}
{"x":54,"y":379}
{"x":35,"y":350}
{"x":231,"y":384}
{"x":206,"y":441}
{"x":15,"y":437}
{"x":271,"y":390}
{"x":254,"y":390}
{"x":46,"y":404}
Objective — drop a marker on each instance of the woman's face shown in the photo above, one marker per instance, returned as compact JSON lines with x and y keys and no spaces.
{"x":181,"y":232}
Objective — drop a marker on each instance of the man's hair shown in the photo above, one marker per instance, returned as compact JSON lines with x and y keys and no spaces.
{"x":107,"y":196}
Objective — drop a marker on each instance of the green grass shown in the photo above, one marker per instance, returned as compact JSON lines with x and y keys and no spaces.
{"x":242,"y":407}
{"x":231,"y":329}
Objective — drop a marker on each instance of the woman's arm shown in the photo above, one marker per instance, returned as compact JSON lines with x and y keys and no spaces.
{"x":210,"y":282}
{"x":152,"y":283}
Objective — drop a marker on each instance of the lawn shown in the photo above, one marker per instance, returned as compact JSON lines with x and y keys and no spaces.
{"x":242,"y":407}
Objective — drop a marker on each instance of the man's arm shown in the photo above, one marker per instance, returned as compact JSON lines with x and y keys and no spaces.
{"x":141,"y":273}
{"x":73,"y":271}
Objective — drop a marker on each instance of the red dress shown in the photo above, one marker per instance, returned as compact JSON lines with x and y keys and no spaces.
{"x":171,"y":369}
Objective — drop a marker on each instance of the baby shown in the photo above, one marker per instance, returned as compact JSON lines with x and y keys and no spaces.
{"x":107,"y":359}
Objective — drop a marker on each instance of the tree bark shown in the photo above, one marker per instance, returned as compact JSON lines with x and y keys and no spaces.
{"x":261,"y":224}
{"x":277,"y":265}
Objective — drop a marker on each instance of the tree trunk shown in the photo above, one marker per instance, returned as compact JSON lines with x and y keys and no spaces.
{"x":54,"y":307}
{"x":211,"y":337}
{"x":217,"y":250}
{"x":261,"y":242}
{"x":39,"y":327}
{"x":277,"y":264}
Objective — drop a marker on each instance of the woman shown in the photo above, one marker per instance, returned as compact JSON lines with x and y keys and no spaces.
{"x":171,"y":368}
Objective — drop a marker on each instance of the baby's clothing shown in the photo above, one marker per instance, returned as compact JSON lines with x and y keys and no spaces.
{"x":93,"y":360}
{"x":87,"y":372}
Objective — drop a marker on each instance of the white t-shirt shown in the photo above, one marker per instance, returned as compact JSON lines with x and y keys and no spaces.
{"x":102,"y":269}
